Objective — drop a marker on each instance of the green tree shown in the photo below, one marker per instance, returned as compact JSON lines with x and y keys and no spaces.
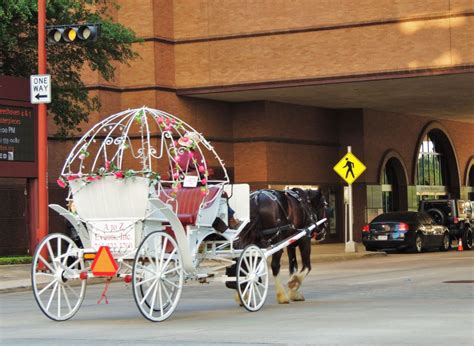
{"x":71,"y":103}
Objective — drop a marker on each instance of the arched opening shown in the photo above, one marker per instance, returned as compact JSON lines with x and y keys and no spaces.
{"x":437,"y":174}
{"x":470,"y":179}
{"x":393,"y":179}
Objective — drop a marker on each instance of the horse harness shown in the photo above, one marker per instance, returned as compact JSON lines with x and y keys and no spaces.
{"x":275,"y":232}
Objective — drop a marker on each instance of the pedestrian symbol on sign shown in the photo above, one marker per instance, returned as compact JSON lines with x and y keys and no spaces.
{"x":349,"y":165}
{"x":349,"y":168}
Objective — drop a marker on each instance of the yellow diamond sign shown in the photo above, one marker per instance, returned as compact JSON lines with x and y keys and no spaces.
{"x":349,"y":168}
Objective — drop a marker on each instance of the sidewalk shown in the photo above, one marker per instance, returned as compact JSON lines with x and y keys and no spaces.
{"x":14,"y":278}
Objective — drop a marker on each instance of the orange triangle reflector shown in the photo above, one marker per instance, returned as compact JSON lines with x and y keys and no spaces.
{"x":104,"y":263}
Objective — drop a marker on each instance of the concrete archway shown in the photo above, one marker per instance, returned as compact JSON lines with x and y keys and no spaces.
{"x":394,"y":166}
{"x":439,"y":133}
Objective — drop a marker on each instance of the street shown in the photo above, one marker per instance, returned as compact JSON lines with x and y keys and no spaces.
{"x":397,"y":299}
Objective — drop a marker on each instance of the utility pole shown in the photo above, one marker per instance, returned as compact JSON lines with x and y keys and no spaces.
{"x":42,"y":229}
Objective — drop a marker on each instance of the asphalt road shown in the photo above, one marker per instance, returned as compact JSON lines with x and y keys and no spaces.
{"x":398,"y":299}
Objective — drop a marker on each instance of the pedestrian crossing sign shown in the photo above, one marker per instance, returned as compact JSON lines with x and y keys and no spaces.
{"x":349,"y":168}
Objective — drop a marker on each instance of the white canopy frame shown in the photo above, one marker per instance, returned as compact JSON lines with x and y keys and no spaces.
{"x":181,"y":147}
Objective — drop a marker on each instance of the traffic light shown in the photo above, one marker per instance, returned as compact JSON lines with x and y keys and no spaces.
{"x":73,"y":33}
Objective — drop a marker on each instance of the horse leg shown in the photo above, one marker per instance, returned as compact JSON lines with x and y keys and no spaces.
{"x":281,"y":296}
{"x":292,"y":261}
{"x":297,"y":279}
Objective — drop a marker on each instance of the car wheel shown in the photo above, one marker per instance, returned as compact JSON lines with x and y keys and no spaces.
{"x":418,"y":246}
{"x":446,"y":244}
{"x":467,"y":239}
{"x":437,"y":216}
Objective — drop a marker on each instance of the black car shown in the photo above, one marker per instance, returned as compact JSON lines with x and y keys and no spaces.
{"x":405,"y":230}
{"x":455,"y":214}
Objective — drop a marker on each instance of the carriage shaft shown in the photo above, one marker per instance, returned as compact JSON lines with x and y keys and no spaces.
{"x":284,"y":243}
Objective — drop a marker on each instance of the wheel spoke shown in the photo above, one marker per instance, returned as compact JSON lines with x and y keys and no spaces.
{"x":244,"y":271}
{"x":247,"y":264}
{"x":168,"y":296}
{"x":258,"y":291}
{"x":171,"y":283}
{"x":51,"y":254}
{"x":169,"y":259}
{"x":59,"y":300}
{"x":139,"y":283}
{"x":74,"y":263}
{"x":153,"y":298}
{"x":255,"y":262}
{"x":67,"y":251}
{"x":249,"y":300}
{"x":244,"y":281}
{"x":260,"y":267}
{"x":44,"y":274}
{"x":66,"y":298}
{"x":59,"y":247}
{"x":160,"y":295}
{"x":172,"y":270}
{"x":45,"y":263}
{"x":72,"y":291}
{"x":254,"y":296}
{"x":146,"y":268}
{"x":163,"y":250}
{"x":52,"y":296}
{"x":46,"y":287}
{"x":147,"y":293}
{"x":245,"y":290}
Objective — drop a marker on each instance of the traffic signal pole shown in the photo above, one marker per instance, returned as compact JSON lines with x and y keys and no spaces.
{"x":42,"y":229}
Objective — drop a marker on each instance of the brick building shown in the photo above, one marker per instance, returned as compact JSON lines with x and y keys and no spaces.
{"x":281,"y":87}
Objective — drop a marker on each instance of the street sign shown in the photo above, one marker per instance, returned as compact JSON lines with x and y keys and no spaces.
{"x":349,"y":168}
{"x":40,"y":88}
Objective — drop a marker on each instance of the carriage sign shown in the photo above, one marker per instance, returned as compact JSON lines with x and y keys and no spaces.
{"x":349,"y":168}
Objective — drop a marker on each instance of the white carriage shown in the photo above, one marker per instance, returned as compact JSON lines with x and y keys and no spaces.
{"x":156,"y":220}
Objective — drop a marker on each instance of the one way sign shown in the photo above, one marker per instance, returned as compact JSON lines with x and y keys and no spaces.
{"x":40,"y":88}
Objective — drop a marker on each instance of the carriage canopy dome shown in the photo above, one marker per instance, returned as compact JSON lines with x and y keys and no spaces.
{"x":145,"y":142}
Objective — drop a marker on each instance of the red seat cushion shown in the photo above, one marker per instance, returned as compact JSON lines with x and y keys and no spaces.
{"x":188,"y":201}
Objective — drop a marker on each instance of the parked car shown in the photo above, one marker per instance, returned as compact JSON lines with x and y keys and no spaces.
{"x":455,"y":214}
{"x":402,"y":230}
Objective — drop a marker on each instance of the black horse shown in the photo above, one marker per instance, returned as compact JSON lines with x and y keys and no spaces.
{"x":277,"y":215}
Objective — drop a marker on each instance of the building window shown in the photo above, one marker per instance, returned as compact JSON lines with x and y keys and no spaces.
{"x":431,"y":163}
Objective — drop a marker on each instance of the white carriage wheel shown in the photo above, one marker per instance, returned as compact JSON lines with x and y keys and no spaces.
{"x":158,"y":276}
{"x":252,"y":278}
{"x":56,"y":266}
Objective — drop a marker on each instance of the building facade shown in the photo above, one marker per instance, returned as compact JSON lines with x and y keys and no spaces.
{"x":282,"y":87}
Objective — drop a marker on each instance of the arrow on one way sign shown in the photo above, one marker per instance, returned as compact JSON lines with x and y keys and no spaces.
{"x":38,"y":96}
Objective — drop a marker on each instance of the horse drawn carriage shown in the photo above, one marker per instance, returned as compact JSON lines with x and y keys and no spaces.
{"x":157,"y":224}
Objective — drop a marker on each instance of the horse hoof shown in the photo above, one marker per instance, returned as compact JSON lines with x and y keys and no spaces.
{"x":296,"y":296}
{"x":282,"y":299}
